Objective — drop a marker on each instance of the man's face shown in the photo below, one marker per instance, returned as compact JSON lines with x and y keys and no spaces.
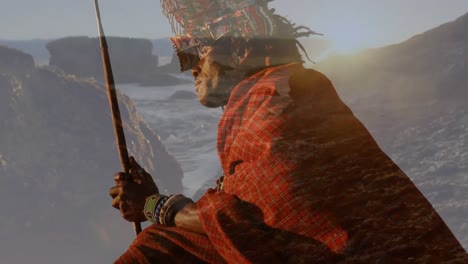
{"x":214,"y":77}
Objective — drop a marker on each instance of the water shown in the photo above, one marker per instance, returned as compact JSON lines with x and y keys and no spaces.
{"x":187,"y":128}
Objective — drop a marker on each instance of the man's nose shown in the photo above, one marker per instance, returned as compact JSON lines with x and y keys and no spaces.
{"x":196,"y":71}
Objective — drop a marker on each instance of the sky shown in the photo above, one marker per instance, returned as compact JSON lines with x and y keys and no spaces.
{"x":350,"y":24}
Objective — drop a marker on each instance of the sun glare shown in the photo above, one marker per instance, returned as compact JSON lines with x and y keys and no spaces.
{"x":348,"y":37}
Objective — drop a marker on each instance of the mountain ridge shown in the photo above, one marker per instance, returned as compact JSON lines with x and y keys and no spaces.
{"x":413,"y":98}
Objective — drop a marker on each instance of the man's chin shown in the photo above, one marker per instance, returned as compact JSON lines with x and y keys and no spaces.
{"x":213,"y":102}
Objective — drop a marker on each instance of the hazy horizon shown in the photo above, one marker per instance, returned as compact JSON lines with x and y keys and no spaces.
{"x":351,"y":26}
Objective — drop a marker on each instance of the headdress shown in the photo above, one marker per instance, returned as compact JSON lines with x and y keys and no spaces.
{"x":198,"y":22}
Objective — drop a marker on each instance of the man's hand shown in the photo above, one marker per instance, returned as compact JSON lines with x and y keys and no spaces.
{"x":131,"y":190}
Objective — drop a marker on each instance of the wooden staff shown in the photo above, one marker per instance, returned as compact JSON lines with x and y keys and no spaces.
{"x":113,"y":102}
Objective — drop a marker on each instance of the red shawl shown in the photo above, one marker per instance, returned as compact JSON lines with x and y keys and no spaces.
{"x":304,"y":183}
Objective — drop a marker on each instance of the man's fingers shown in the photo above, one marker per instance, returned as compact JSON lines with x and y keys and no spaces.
{"x":116,"y":194}
{"x":124,"y":190}
{"x":116,"y":203}
{"x":122,"y":177}
{"x":114,"y":191}
{"x":121,"y":193}
{"x":127,"y":211}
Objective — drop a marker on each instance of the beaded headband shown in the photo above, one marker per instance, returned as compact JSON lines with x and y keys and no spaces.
{"x":205,"y":21}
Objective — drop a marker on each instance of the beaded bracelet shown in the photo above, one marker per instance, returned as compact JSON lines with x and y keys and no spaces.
{"x":161,"y":209}
{"x":151,"y":207}
{"x":157,"y":211}
{"x":171,"y":207}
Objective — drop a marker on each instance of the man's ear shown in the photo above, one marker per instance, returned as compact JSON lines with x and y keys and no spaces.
{"x":242,"y":55}
{"x":268,"y":50}
{"x":251,"y":58}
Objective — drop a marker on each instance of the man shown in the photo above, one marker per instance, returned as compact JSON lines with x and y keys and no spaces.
{"x":304,"y":182}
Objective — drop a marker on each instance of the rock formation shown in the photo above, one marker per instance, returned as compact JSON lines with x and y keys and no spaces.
{"x":82,"y":56}
{"x":58,"y":155}
{"x":413,"y":98}
{"x":14,"y":61}
{"x":34,"y":47}
{"x":132,"y":59}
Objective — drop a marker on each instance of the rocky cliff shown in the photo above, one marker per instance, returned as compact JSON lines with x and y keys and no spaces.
{"x":58,"y":158}
{"x":413,"y":97}
{"x":14,"y":61}
{"x":34,"y":47}
{"x":132,"y":59}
